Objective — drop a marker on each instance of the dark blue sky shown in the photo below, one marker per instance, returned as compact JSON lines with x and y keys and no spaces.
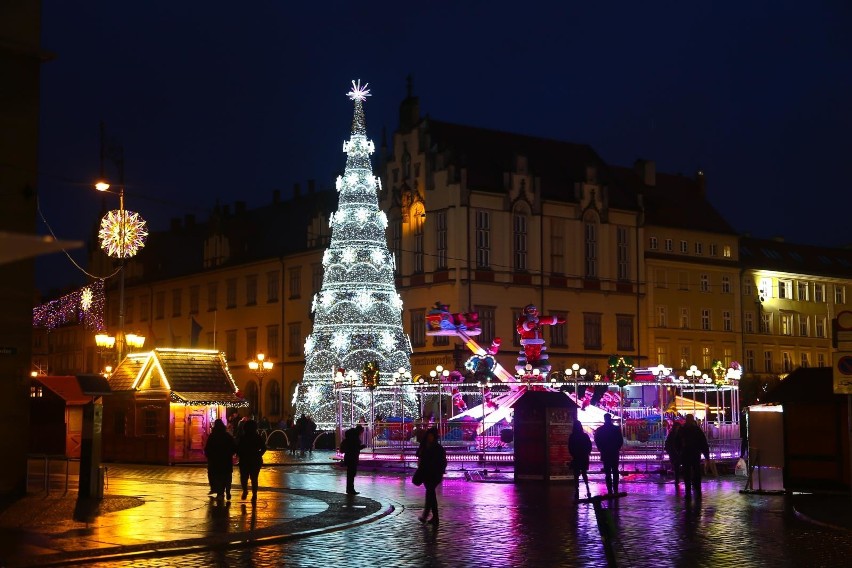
{"x":227,"y":100}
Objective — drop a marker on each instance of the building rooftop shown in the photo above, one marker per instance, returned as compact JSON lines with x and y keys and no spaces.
{"x":773,"y":254}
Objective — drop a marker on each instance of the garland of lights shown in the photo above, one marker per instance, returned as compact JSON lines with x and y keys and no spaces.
{"x":85,"y":306}
{"x":357,"y":312}
{"x":122,"y":233}
{"x":621,"y":370}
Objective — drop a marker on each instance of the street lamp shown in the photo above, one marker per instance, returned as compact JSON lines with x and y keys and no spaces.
{"x":259,"y":366}
{"x":440,"y":374}
{"x":122,"y":233}
{"x":576,"y":373}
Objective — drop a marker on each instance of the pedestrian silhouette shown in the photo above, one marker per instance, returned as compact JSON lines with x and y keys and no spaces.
{"x":431,"y":466}
{"x":351,"y":448}
{"x":673,"y":449}
{"x":609,"y":440}
{"x":250,"y":449}
{"x":219,"y":449}
{"x":693,"y":443}
{"x":580,"y":446}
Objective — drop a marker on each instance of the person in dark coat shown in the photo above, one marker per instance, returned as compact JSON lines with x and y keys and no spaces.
{"x":432,"y":464}
{"x":673,"y":449}
{"x":351,"y":448}
{"x":693,"y":443}
{"x":219,"y":449}
{"x":250,"y":449}
{"x":609,"y":440}
{"x":580,"y":446}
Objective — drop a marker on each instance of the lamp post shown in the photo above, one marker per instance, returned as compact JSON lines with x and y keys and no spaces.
{"x":398,"y":379}
{"x":122,"y":233}
{"x":440,"y":374}
{"x":260,"y":366}
{"x":577,"y":373}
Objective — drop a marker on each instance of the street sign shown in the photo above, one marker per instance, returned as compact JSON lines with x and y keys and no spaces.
{"x":842,"y":372}
{"x":843,"y":330}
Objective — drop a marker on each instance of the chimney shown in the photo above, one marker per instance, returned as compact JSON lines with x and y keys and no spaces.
{"x":409,"y":109}
{"x":175,"y":224}
{"x":297,"y":190}
{"x":189,"y":220}
{"x":647,"y":171}
{"x":311,"y":186}
{"x":276,"y":195}
{"x":239,"y":207}
{"x":699,"y":178}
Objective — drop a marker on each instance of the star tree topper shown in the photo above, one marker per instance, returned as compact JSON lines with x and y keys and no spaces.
{"x":359,"y":93}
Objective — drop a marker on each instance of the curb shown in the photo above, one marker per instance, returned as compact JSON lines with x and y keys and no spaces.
{"x":198,"y":545}
{"x":813,"y":521}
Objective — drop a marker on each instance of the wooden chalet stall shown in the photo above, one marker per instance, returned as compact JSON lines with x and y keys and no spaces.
{"x":164,"y":403}
{"x":56,"y":416}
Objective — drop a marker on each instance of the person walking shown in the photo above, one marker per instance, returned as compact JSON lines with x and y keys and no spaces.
{"x":693,"y":443}
{"x":351,"y":448}
{"x":431,"y":465}
{"x":609,"y":440}
{"x":580,"y":446}
{"x":219,"y":450}
{"x":250,"y":449}
{"x":673,"y":449}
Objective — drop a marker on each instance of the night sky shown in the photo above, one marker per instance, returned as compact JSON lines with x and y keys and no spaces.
{"x":229,"y":101}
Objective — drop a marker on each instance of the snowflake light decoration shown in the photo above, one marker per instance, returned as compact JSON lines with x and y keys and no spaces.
{"x":359,"y":93}
{"x":309,"y":345}
{"x":348,"y":256}
{"x":338,"y":184}
{"x":313,"y":394}
{"x":86,"y":298}
{"x":326,"y":257}
{"x":378,"y":257}
{"x":362,"y":215}
{"x":326,"y":299}
{"x":387,"y":341}
{"x":383,"y":219}
{"x":397,"y":301}
{"x":363,"y":300}
{"x":122,"y":233}
{"x":340,"y":341}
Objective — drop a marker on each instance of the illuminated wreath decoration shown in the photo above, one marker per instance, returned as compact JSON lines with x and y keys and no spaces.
{"x":370,"y":374}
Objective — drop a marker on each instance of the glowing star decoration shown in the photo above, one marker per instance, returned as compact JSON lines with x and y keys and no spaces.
{"x":309,"y":345}
{"x":363,"y":300}
{"x":348,"y":256}
{"x":359,"y":93}
{"x":387,"y":341}
{"x":378,"y":257}
{"x":340,"y":341}
{"x":86,"y":296}
{"x":362,"y":215}
{"x":122,"y":233}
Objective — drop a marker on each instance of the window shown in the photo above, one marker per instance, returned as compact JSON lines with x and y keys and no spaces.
{"x":786,"y":361}
{"x":295,"y":282}
{"x":176,"y":300}
{"x":396,"y":245}
{"x":231,"y":344}
{"x":251,"y":342}
{"x":194,"y":293}
{"x":806,"y":361}
{"x":272,"y":283}
{"x":231,"y":293}
{"x":802,"y":288}
{"x":804,"y":326}
{"x":819,"y":292}
{"x":212,"y":295}
{"x":662,"y":316}
{"x":128,"y":310}
{"x":765,"y":289}
{"x":36,"y":392}
{"x":765,"y":323}
{"x":591,"y":247}
{"x":839,"y":294}
{"x":274,"y":398}
{"x":684,"y":247}
{"x":623,"y":255}
{"x":660,"y":278}
{"x":144,"y":307}
{"x":712,"y":250}
{"x":557,"y":247}
{"x":272,"y":341}
{"x":624,"y":332}
{"x":316,"y":278}
{"x":211,"y":340}
{"x":149,"y":427}
{"x":440,"y":340}
{"x":699,"y":248}
{"x":705,"y":319}
{"x":251,"y":290}
{"x":706,"y":356}
{"x":785,"y":289}
{"x":684,"y":317}
{"x":483,"y":239}
{"x":749,"y":359}
{"x":592,"y":331}
{"x":417,"y":221}
{"x":747,"y":288}
{"x":685,"y":356}
{"x":295,"y":342}
{"x":557,"y":332}
{"x":519,"y":241}
{"x":726,"y":251}
{"x":727,"y":321}
{"x":704,"y":283}
{"x":652,"y":243}
{"x":819,"y":326}
{"x":487,"y":323}
{"x":728,"y":356}
{"x":160,"y":305}
{"x":662,"y":354}
{"x":669,"y":246}
{"x":682,"y":280}
{"x":820,"y":359}
{"x":726,"y":284}
{"x":786,"y":324}
{"x":767,"y":361}
{"x":418,"y":328}
{"x":441,"y":242}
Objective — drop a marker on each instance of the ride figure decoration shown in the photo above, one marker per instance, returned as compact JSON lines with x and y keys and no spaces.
{"x":529,"y":327}
{"x":440,"y":321}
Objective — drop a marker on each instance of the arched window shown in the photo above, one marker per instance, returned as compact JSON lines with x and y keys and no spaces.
{"x":519,"y":238}
{"x":590,"y":230}
{"x":417,"y":217}
{"x":274,"y":408}
{"x":396,"y":243}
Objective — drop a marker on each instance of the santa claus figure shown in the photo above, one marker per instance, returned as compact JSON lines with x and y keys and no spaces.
{"x":529,"y":327}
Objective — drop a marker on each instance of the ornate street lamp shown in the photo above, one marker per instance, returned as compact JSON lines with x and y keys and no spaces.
{"x":260,"y":366}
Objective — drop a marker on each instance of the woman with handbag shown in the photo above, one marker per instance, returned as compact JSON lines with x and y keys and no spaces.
{"x":431,"y":466}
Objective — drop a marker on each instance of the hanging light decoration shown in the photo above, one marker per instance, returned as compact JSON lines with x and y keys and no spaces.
{"x":122,"y":233}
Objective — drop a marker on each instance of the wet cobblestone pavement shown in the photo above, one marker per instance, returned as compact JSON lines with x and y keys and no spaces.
{"x":489,"y":524}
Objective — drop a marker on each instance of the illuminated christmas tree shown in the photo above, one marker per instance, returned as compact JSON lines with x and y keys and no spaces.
{"x":357,"y":312}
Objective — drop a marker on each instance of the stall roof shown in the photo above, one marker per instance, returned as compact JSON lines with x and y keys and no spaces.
{"x":813,"y":384}
{"x":66,"y":387}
